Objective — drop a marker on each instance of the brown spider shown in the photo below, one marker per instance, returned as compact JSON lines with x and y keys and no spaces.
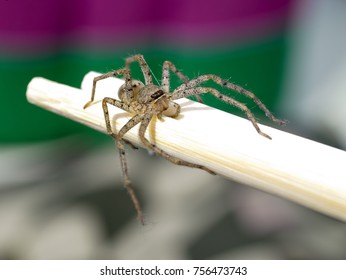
{"x":147,"y":100}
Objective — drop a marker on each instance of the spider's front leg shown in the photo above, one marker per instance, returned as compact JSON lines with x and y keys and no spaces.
{"x":165,"y":82}
{"x":121,"y":147}
{"x":116,"y":103}
{"x":143,"y":127}
{"x":127,"y":181}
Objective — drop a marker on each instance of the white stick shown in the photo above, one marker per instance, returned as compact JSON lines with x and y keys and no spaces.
{"x":298,"y":169}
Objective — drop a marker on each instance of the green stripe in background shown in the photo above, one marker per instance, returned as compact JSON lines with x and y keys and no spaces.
{"x":257,"y":66}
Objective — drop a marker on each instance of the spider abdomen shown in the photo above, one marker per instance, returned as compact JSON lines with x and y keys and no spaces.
{"x":128,"y":95}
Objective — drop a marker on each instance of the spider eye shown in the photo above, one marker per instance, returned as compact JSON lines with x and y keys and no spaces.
{"x":157,"y":94}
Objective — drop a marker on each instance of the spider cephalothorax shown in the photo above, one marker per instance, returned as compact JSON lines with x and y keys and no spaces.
{"x":149,"y":97}
{"x":147,"y":100}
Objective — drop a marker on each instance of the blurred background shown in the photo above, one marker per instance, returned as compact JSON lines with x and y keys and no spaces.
{"x":61,"y":191}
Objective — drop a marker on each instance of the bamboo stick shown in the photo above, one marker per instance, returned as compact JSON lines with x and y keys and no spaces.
{"x":301,"y":170}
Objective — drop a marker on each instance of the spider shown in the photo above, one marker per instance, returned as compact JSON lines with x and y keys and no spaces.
{"x":147,"y":100}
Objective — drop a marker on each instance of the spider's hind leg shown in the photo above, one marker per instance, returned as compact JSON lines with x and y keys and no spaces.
{"x":225,"y":98}
{"x":130,"y":144}
{"x":128,"y":83}
{"x":143,"y":127}
{"x":203,"y":78}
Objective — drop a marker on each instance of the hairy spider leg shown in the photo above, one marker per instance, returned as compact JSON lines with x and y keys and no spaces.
{"x":116,"y":103}
{"x":127,"y":181}
{"x":165,"y":84}
{"x":143,"y":127}
{"x":120,"y":105}
{"x":121,"y":147}
{"x":216,"y":93}
{"x":144,"y":67}
{"x":128,"y":84}
{"x":203,"y":78}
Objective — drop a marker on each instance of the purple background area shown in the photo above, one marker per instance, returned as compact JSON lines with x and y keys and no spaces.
{"x":42,"y":23}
